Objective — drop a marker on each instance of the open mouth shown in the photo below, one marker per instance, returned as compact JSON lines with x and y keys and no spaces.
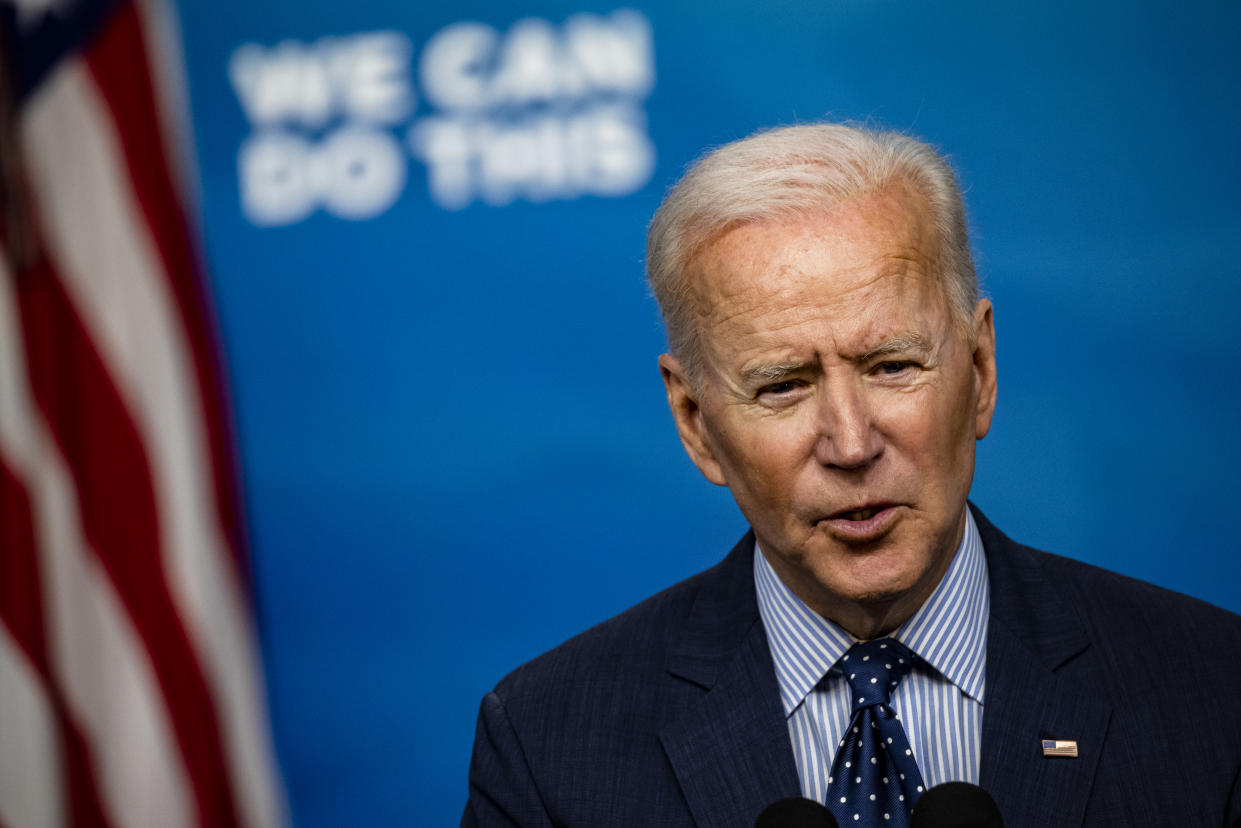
{"x":861,"y":514}
{"x":863,"y":524}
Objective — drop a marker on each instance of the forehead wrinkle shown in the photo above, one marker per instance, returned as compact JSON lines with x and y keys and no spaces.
{"x":796,"y":299}
{"x":727,"y":273}
{"x":758,"y":343}
{"x":760,"y":323}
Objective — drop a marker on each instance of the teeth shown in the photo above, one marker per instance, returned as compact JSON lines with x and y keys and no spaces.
{"x":860,"y":514}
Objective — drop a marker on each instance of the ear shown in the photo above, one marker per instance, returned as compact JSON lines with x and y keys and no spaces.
{"x":984,"y":367}
{"x":688,"y":416}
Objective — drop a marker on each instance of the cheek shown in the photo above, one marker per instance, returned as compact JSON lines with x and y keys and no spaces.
{"x":947,"y":445}
{"x":763,"y":460}
{"x":908,"y":418}
{"x":929,"y":430}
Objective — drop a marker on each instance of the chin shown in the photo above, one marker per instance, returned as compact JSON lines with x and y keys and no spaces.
{"x":877,"y":595}
{"x":876,"y":588}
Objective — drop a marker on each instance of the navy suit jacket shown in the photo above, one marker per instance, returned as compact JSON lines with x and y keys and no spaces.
{"x":669,"y":714}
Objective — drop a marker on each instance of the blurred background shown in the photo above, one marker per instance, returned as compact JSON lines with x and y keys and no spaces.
{"x":423,"y":230}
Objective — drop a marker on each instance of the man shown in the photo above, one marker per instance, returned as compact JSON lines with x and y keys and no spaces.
{"x":873,"y":636}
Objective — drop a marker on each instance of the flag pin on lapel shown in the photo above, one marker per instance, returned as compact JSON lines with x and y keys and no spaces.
{"x":1056,"y":747}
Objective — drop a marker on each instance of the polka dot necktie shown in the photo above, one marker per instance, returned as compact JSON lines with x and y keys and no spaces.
{"x":874,"y":779}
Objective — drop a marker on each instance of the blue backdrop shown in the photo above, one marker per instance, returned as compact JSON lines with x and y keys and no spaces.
{"x":425,"y":230}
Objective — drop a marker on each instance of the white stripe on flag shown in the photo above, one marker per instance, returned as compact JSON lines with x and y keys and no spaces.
{"x":96,"y":656}
{"x":161,"y":32}
{"x":30,"y":782}
{"x":102,"y":247}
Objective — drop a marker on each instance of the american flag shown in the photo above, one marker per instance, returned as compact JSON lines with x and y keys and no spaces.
{"x":130,"y":688}
{"x":1054,"y":747}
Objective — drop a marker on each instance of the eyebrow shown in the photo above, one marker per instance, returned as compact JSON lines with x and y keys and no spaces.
{"x":776,"y":371}
{"x":912,"y":341}
{"x":770,"y":373}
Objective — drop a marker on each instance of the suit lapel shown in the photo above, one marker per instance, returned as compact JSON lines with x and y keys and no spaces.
{"x":1032,"y":635}
{"x":730,"y":750}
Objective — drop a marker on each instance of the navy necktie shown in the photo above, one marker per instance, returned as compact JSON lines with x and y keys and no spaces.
{"x":875,"y":779}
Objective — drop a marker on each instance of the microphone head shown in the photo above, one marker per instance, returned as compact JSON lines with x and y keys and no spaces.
{"x":956,"y":805}
{"x":796,"y":812}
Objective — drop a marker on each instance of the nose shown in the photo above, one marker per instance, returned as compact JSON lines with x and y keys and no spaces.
{"x":847,"y":437}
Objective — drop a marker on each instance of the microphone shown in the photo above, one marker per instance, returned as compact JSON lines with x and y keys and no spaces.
{"x":956,"y":805}
{"x":796,"y":812}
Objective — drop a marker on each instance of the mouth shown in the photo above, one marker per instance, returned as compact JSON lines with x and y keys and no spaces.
{"x":862,"y":511}
{"x":863,"y":522}
{"x":865,"y":513}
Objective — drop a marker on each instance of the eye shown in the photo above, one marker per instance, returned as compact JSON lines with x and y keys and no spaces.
{"x":781,"y":389}
{"x":893,"y":368}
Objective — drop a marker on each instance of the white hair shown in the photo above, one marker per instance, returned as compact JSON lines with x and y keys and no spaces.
{"x":790,"y":173}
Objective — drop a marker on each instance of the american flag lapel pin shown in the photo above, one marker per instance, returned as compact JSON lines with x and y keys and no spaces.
{"x":1059,"y":747}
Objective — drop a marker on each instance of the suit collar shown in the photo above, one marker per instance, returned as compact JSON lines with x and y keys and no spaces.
{"x":1033,"y":636}
{"x":1037,"y":613}
{"x":723,"y":612}
{"x":730,"y":751}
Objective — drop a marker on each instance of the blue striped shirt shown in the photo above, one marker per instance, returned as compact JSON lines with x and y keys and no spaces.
{"x":939,"y":702}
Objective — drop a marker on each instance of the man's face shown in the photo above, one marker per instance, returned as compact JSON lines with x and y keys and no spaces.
{"x":840,"y":403}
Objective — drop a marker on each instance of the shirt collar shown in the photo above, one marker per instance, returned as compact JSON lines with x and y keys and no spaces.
{"x":948,"y":631}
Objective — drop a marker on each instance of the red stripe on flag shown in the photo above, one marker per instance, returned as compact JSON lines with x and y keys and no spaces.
{"x":118,"y":61}
{"x":105,"y":454}
{"x":21,"y":610}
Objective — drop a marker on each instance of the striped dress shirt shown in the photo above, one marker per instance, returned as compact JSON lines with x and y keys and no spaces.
{"x":939,"y":702}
